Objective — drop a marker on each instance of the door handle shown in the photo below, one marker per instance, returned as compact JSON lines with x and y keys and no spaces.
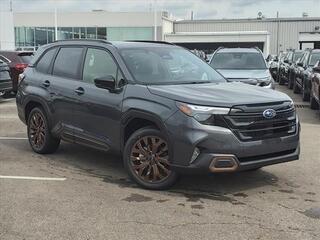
{"x":79,"y":91}
{"x":46,"y":83}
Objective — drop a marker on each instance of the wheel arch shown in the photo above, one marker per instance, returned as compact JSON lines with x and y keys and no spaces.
{"x":137,"y":119}
{"x":33,"y":101}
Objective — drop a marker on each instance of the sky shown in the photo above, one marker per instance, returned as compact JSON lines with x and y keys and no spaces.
{"x":180,"y":9}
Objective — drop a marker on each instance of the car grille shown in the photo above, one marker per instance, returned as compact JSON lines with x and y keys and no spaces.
{"x":249,"y":124}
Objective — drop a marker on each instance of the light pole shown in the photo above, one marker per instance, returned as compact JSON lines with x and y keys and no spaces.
{"x":155,"y":19}
{"x":55,"y":23}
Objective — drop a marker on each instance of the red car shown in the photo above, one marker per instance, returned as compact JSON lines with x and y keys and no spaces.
{"x":315,"y":87}
{"x":17,"y":61}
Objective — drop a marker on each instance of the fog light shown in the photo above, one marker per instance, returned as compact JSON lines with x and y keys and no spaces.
{"x":195,"y":154}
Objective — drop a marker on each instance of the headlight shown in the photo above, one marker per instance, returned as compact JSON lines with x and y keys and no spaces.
{"x":201,"y":113}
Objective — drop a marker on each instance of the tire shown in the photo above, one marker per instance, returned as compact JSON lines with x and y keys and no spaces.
{"x":305,"y":95}
{"x":39,"y":135}
{"x":290,"y":81}
{"x":281,"y":81}
{"x":296,"y":89}
{"x":313,"y":103}
{"x":155,"y":174}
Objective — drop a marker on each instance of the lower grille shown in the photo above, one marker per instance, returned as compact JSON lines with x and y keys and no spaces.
{"x":249,"y":124}
{"x":270,"y":155}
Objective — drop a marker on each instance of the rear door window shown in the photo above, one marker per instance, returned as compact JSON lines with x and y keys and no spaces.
{"x":67,"y":63}
{"x":45,"y":61}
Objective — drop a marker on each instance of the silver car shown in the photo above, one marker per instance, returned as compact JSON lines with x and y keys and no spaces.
{"x":245,"y":65}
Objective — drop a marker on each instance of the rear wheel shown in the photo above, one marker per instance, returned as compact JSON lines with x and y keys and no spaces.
{"x":39,"y":135}
{"x":296,"y":89}
{"x":305,"y":93}
{"x":290,"y":81}
{"x":313,"y":102}
{"x":147,"y":159}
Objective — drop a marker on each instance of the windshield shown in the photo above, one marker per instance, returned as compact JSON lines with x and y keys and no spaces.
{"x":168,"y":65}
{"x":297,"y":55}
{"x":314,"y":58}
{"x":238,"y":60}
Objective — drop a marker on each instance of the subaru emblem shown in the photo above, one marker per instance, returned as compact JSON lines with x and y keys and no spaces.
{"x":269,"y":113}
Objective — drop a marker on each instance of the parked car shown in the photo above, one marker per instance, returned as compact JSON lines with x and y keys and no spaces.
{"x":245,"y":65}
{"x":17,"y":61}
{"x":282,"y":56}
{"x":273,"y":62}
{"x":5,"y":79}
{"x":303,"y":73}
{"x":315,"y":87}
{"x":166,"y":110}
{"x":287,"y":67}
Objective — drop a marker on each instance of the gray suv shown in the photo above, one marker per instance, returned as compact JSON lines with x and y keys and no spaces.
{"x":162,"y":108}
{"x":245,"y":65}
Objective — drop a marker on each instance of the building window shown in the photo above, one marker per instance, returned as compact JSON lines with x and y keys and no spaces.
{"x":129,"y":33}
{"x":102,"y":33}
{"x":41,"y":37}
{"x":29,"y":36}
{"x":51,"y":35}
{"x":91,"y":33}
{"x":20,"y":36}
{"x":65,"y":33}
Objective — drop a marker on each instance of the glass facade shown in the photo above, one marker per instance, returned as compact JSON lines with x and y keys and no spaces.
{"x":37,"y":36}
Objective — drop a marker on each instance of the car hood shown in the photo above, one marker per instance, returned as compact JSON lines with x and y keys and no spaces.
{"x":218,"y":94}
{"x":238,"y":75}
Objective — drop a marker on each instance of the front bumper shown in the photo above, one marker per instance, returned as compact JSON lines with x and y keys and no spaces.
{"x":185,"y":134}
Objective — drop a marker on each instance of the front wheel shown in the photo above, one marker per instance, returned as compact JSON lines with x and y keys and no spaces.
{"x":305,"y":94}
{"x":313,"y":103}
{"x":296,"y":89}
{"x":147,"y":160}
{"x":39,"y":135}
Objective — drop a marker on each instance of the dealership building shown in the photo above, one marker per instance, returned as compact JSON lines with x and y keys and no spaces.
{"x":29,"y":30}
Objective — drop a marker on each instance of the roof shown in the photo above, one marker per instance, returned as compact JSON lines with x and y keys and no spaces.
{"x":296,"y":19}
{"x":235,"y":50}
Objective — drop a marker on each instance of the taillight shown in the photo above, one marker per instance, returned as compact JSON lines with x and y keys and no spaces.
{"x":20,"y":66}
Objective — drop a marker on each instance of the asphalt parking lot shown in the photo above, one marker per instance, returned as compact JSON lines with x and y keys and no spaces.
{"x":79,"y":193}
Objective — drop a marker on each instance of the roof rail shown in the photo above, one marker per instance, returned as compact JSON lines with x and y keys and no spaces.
{"x":219,"y":48}
{"x":94,"y":40}
{"x":149,"y":41}
{"x":257,"y":48}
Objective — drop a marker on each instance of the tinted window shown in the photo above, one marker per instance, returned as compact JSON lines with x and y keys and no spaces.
{"x":168,"y":65}
{"x":238,"y":60}
{"x":314,"y":58}
{"x":67,"y":62}
{"x":98,"y":63}
{"x":297,"y":55}
{"x":44,"y":63}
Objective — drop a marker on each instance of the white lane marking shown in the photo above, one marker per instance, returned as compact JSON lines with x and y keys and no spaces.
{"x":32,"y":178}
{"x":9,"y":117}
{"x":13,"y":138}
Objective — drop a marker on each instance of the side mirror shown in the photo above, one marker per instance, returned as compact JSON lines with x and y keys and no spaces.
{"x":107,"y":82}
